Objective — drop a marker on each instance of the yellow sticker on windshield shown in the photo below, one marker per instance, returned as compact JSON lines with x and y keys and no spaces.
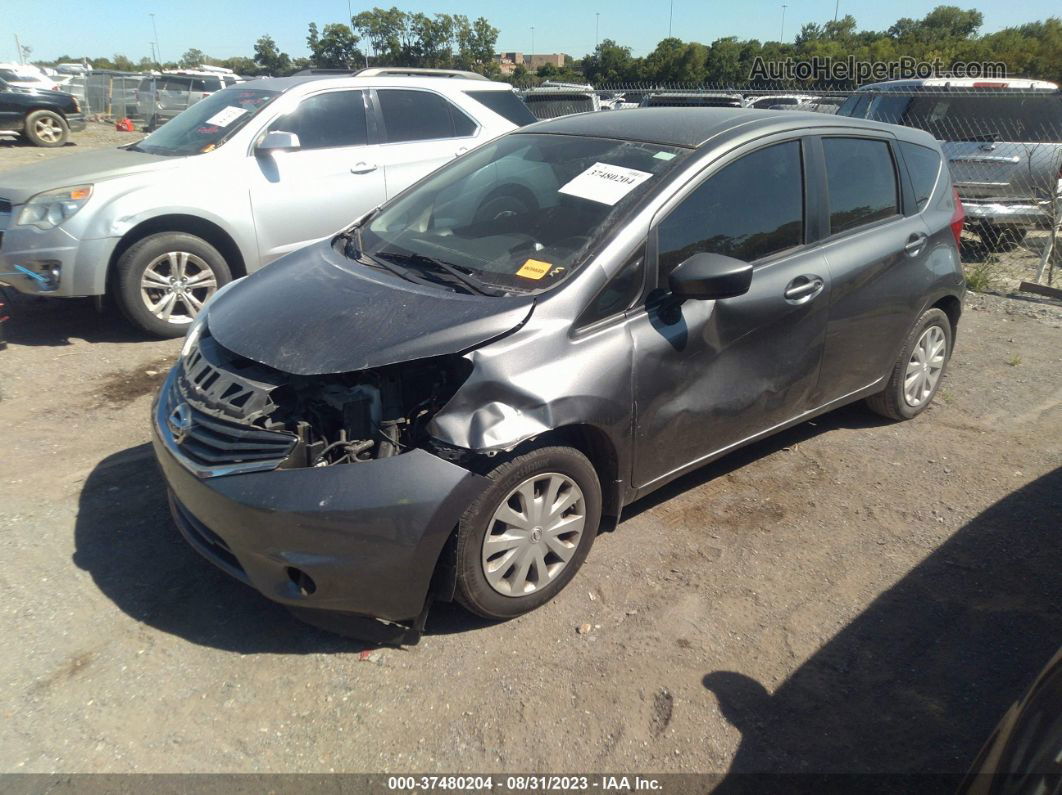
{"x":534,"y":269}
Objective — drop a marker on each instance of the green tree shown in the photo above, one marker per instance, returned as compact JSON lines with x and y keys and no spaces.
{"x":337,"y":48}
{"x":193,"y":58}
{"x":269,"y":58}
{"x":609,"y":63}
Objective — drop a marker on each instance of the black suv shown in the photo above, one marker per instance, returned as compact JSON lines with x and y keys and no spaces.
{"x":45,"y":118}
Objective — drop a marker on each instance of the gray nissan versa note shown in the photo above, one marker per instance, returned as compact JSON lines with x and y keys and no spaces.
{"x":448,"y":399}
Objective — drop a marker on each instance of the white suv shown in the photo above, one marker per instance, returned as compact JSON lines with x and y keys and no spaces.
{"x":239,"y":179}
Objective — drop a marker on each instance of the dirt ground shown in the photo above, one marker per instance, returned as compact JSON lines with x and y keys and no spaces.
{"x":15,"y":151}
{"x":850,"y":595}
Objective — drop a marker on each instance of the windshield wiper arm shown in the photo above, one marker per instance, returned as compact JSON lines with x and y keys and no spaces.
{"x":470,"y":282}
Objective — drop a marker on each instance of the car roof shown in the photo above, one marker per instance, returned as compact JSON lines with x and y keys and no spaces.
{"x":693,"y":127}
{"x":438,"y":83}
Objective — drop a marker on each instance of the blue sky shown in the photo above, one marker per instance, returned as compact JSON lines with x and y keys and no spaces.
{"x":230,"y":27}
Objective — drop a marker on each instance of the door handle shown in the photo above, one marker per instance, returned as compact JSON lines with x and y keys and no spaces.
{"x":914,"y":244}
{"x":803,"y":288}
{"x":363,"y":168}
{"x":461,"y":151}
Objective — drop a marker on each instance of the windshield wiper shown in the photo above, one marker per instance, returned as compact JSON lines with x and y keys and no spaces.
{"x":470,"y":282}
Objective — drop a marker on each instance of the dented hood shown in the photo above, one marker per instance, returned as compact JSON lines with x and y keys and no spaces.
{"x":315,"y":312}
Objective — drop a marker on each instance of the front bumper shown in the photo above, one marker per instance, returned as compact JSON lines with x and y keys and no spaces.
{"x":66,"y":265}
{"x":75,"y":121}
{"x":368,"y":535}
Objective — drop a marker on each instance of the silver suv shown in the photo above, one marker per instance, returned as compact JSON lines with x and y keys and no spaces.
{"x":242,"y":177}
{"x":1003,"y":143}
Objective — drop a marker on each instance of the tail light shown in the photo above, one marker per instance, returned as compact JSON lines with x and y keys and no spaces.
{"x":957,"y":216}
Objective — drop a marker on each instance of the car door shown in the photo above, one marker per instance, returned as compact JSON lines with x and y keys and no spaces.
{"x":305,"y":194}
{"x":876,"y":258}
{"x":709,"y":374}
{"x":11,"y":110}
{"x":420,"y":130}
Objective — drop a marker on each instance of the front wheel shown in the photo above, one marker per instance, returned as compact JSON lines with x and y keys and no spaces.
{"x":917,"y":374}
{"x":45,"y":128}
{"x":164,"y":280}
{"x":527,"y":535}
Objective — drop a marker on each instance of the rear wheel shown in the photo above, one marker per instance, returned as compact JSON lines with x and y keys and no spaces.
{"x":917,"y":374}
{"x":164,"y":280}
{"x":1000,"y":239}
{"x":527,"y":535}
{"x":45,"y":128}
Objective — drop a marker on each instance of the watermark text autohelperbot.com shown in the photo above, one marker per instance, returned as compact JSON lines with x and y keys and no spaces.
{"x":849,"y":70}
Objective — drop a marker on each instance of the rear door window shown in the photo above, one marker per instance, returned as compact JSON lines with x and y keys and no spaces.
{"x":410,"y":115}
{"x":326,"y":121}
{"x":861,"y":181}
{"x":749,"y":209}
{"x":923,"y":164}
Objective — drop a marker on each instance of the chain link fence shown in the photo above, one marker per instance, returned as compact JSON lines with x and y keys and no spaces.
{"x":1004,"y":150}
{"x":1003,"y":147}
{"x":149,"y":100}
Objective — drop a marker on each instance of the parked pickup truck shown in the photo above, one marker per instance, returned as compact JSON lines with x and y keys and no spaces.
{"x":45,"y":118}
{"x":1002,"y":139}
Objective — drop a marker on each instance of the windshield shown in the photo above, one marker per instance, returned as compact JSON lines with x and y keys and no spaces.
{"x":520,"y":213}
{"x":207,"y":124}
{"x":1033,"y":118}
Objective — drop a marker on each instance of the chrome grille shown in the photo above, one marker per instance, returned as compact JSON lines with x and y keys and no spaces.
{"x":215,"y":380}
{"x":192,"y":417}
{"x":215,"y":443}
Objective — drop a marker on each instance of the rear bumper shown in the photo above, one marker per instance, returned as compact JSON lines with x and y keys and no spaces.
{"x":1026,"y":213}
{"x":368,"y":535}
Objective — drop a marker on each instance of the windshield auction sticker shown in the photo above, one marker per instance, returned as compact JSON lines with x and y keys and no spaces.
{"x":226,"y":116}
{"x":605,"y":183}
{"x":534,"y":269}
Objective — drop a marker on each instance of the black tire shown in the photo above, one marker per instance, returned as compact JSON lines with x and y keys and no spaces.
{"x":1000,"y":239}
{"x":891,"y":402}
{"x":474,"y":592}
{"x":40,"y":120}
{"x":134,"y":262}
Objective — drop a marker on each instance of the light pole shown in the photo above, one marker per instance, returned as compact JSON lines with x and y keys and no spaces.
{"x":597,"y":28}
{"x":670,"y":16}
{"x":158,"y":50}
{"x":532,"y":44}
{"x":836,"y":9}
{"x":781,"y":34}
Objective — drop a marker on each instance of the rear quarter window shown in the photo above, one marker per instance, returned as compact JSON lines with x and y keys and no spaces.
{"x":923,"y":164}
{"x":506,"y":104}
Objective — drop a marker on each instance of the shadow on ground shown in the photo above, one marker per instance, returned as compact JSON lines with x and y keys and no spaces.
{"x":919,"y":680}
{"x":54,"y":322}
{"x":125,"y":539}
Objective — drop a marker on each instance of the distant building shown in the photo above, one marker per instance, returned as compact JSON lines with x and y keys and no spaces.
{"x":508,"y":61}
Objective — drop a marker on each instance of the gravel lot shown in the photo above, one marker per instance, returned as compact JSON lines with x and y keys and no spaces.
{"x":850,"y":595}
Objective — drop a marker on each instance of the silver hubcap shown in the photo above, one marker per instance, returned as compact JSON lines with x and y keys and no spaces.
{"x":923,"y":370}
{"x":533,"y":534}
{"x":48,"y":129}
{"x":175,"y":286}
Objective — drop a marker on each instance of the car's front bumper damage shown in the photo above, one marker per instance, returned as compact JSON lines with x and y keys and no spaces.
{"x":356,"y":539}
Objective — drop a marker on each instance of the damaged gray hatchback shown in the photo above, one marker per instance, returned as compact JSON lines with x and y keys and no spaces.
{"x":448,"y":400}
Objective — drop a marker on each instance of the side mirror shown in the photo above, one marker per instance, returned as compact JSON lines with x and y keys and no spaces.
{"x":705,"y":276}
{"x":278,"y":141}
